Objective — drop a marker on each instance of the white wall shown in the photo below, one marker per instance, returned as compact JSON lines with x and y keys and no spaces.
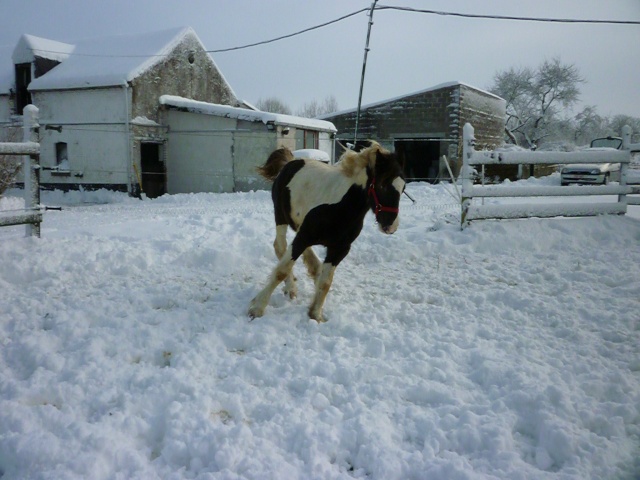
{"x":209,"y":153}
{"x":252,"y":148}
{"x":199,"y":153}
{"x":94,"y":127}
{"x":5,"y":111}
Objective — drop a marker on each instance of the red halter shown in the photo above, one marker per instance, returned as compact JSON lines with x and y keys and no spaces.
{"x":379,"y":206}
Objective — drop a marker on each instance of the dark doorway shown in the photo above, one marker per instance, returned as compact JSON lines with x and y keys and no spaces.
{"x":154,"y":174}
{"x":421,"y":159}
{"x":23,"y":79}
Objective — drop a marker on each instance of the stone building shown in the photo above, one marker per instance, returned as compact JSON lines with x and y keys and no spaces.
{"x":102,"y":124}
{"x":98,"y":102}
{"x":424,"y":126}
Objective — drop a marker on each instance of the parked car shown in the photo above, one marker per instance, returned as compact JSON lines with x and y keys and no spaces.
{"x":593,"y":174}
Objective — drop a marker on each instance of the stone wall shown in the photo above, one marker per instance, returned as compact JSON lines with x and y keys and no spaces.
{"x":419,"y":114}
{"x":188,"y":72}
{"x":437,"y":113}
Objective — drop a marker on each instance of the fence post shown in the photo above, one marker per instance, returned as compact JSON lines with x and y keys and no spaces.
{"x":626,"y":146}
{"x":31,"y":169}
{"x":468,"y":142}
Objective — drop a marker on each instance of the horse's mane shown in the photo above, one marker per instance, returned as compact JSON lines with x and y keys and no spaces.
{"x":352,"y":162}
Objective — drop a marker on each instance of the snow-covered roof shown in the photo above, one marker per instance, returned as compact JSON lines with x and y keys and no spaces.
{"x":110,"y":61}
{"x":27,"y":48}
{"x":30,"y":46}
{"x":400,"y":97}
{"x":245,"y":114}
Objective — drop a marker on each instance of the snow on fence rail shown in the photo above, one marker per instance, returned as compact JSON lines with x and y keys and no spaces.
{"x":470,"y":191}
{"x":31,"y":216}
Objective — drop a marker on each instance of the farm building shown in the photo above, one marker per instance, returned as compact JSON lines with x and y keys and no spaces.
{"x":220,"y":146}
{"x":423,"y":126}
{"x":102,"y":124}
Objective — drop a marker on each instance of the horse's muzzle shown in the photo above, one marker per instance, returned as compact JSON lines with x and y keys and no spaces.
{"x":389,"y":229}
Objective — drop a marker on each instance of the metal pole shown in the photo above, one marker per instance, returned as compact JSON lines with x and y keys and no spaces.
{"x":364,"y":67}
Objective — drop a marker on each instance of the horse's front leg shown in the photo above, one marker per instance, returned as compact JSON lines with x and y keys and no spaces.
{"x":280,"y":273}
{"x":280,"y":247}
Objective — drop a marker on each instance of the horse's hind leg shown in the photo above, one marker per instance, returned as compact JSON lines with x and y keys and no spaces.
{"x":280,"y":247}
{"x":279,"y":274}
{"x":312,"y":262}
{"x":324,"y":280}
{"x":323,"y":284}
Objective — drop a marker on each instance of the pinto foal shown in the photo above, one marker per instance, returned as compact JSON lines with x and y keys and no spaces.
{"x":326,"y":205}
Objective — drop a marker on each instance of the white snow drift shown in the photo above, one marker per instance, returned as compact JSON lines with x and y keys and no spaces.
{"x":509,"y":350}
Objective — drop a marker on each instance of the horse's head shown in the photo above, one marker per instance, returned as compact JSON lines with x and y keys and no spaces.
{"x":386,"y":187}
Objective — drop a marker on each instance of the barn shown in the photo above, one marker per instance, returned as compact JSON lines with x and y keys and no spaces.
{"x":423,"y":126}
{"x":215,"y":147}
{"x":102,"y":124}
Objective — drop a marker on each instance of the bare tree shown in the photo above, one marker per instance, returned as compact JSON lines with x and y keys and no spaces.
{"x":588,"y":124}
{"x":314,"y":109}
{"x":273,"y":105}
{"x":619,"y":121}
{"x":535,"y":98}
{"x":9,"y":164}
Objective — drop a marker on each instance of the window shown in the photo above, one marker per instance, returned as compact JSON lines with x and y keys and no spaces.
{"x":310,"y":139}
{"x":62,"y":156}
{"x":23,"y":79}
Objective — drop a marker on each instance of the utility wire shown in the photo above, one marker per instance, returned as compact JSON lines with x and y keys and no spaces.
{"x":384,"y":7}
{"x":509,"y":17}
{"x":291,"y":34}
{"x":437,"y":12}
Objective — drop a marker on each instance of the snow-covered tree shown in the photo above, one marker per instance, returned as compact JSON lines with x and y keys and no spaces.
{"x":588,"y":124}
{"x":273,"y":105}
{"x":619,"y":121}
{"x":9,"y":164}
{"x":314,"y":109}
{"x":535,"y":98}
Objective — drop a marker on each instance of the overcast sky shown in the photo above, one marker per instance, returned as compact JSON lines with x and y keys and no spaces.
{"x":408,"y":51}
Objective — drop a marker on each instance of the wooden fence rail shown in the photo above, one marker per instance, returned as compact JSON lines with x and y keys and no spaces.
{"x":31,"y":216}
{"x":472,"y":158}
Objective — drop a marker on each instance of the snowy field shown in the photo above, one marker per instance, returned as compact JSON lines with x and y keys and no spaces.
{"x":509,"y":350}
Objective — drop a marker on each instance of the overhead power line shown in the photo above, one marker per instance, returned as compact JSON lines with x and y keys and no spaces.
{"x":387,"y":7}
{"x":442,"y":13}
{"x":291,"y":34}
{"x":509,"y":17}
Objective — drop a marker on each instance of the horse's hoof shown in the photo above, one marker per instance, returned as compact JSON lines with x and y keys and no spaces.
{"x":255,"y":311}
{"x":318,"y":317}
{"x":290,"y":288}
{"x":291,"y":294}
{"x":291,"y":291}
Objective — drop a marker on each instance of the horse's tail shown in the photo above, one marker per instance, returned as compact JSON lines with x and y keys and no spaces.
{"x":276,"y":161}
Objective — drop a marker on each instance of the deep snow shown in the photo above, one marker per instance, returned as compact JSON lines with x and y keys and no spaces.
{"x":507,"y":350}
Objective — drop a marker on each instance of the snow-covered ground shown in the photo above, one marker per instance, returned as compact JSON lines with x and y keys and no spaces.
{"x":509,"y":350}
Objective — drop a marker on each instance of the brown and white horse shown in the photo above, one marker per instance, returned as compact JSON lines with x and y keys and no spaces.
{"x":326,"y":205}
